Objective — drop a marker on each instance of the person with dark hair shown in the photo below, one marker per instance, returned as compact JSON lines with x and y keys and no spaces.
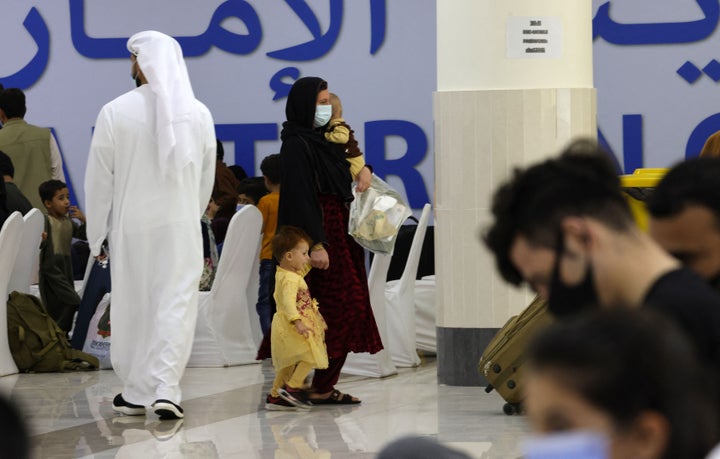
{"x":628,"y":375}
{"x":15,"y":436}
{"x":15,"y":199}
{"x":416,"y":447}
{"x":250,"y":190}
{"x":316,"y":188}
{"x":33,"y":150}
{"x":225,"y":187}
{"x":298,"y":328}
{"x":148,"y":180}
{"x":271,"y":168}
{"x":238,"y":172}
{"x":564,"y":227}
{"x":685,"y":215}
{"x":57,"y":286}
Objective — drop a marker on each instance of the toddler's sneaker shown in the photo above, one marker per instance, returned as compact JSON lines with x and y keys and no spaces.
{"x":298,"y":397}
{"x":278,"y":404}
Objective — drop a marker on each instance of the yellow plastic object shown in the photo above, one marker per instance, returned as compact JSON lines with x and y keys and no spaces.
{"x":637,"y":187}
{"x":651,"y":171}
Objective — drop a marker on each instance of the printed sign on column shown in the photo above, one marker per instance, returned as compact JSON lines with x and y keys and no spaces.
{"x":534,"y":37}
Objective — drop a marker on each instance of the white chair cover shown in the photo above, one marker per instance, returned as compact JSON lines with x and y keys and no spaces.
{"x":228,"y":329}
{"x":26,"y":262}
{"x":400,"y":302}
{"x":425,"y":310}
{"x":10,"y":237}
{"x":380,"y":364}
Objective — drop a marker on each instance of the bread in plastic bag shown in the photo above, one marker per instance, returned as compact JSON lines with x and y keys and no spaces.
{"x":376,"y":216}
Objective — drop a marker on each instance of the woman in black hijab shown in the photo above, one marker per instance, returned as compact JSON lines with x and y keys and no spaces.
{"x":315,"y":190}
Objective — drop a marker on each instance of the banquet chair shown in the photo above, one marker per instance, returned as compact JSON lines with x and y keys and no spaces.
{"x":28,"y":257}
{"x":228,"y":329}
{"x":380,"y":364}
{"x":400,"y":302}
{"x":10,"y":238}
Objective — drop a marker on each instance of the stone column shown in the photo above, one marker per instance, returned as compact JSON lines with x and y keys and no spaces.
{"x":514,"y":86}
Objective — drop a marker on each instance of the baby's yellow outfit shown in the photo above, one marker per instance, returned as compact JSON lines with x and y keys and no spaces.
{"x":293,"y":301}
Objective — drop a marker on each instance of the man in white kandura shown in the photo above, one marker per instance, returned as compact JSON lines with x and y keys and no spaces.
{"x":149,"y":177}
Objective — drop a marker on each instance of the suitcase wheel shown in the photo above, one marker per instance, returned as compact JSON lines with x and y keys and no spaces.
{"x":512,"y":408}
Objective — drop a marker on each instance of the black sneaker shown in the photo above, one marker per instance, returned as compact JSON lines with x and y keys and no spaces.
{"x":119,"y":405}
{"x":298,"y":397}
{"x":278,"y":404}
{"x":167,"y":410}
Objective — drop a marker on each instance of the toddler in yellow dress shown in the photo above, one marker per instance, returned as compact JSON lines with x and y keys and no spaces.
{"x":297,"y":337}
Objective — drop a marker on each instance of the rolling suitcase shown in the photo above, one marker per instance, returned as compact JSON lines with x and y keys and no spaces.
{"x":502,"y":362}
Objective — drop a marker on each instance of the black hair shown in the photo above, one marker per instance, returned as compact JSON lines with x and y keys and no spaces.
{"x":220,"y":150}
{"x":287,"y":238}
{"x":271,"y":167}
{"x":627,"y":361}
{"x":692,"y":182}
{"x":12,"y":102}
{"x":6,"y":165}
{"x":253,"y":187}
{"x":238,"y":172}
{"x":15,"y":433}
{"x":581,"y":182}
{"x":48,"y":189}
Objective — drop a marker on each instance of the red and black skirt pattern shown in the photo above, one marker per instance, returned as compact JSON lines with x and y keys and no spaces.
{"x":342,"y":290}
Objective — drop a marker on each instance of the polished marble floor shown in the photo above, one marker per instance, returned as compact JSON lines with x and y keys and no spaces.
{"x":70,"y":415}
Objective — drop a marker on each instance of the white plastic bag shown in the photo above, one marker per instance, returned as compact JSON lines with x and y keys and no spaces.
{"x":97,"y":342}
{"x":376,"y":216}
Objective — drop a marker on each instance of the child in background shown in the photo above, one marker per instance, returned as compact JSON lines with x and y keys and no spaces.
{"x":210,"y":248}
{"x":298,"y":330}
{"x":57,"y":287}
{"x":251,"y":190}
{"x":268,"y":206}
{"x":339,"y":132}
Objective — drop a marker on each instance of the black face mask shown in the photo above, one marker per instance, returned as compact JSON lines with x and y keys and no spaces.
{"x":567,"y":300}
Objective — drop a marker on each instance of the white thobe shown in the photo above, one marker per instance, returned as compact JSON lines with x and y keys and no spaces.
{"x":152,"y":222}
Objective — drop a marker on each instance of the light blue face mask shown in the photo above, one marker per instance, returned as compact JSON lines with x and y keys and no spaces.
{"x":322,"y":115}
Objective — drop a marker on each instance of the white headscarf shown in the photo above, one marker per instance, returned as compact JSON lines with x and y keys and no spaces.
{"x":160,"y":58}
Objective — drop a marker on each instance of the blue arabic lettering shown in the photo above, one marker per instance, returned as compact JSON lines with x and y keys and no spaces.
{"x":245,"y":137}
{"x":321,"y":44}
{"x":112,"y":48}
{"x":31,"y":73}
{"x":655,"y":34}
{"x":378,"y":24}
{"x":404,"y":166}
{"x":632,"y":139}
{"x":279,"y":85}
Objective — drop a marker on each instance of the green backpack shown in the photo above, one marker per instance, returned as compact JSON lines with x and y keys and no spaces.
{"x":37,"y":343}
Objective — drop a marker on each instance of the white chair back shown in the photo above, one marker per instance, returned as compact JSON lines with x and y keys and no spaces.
{"x":27,"y":260}
{"x":10,"y":237}
{"x":228,"y":330}
{"x":400,"y":301}
{"x":380,"y":364}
